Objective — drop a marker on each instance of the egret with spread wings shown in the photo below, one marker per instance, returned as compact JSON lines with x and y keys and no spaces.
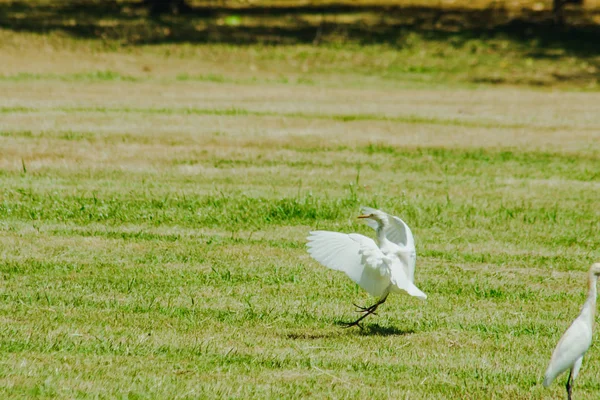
{"x":378,"y":269}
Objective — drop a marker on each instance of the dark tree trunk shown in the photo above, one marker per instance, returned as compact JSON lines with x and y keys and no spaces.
{"x":157,"y":7}
{"x":558,"y":6}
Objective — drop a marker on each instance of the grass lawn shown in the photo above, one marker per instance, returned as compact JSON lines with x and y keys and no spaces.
{"x":155,"y":199}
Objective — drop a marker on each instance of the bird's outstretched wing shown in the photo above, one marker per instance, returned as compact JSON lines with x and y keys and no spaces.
{"x":356,"y":255}
{"x":570,"y":348}
{"x":399,"y":233}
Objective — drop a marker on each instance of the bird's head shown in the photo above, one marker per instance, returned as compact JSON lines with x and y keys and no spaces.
{"x":378,"y":216}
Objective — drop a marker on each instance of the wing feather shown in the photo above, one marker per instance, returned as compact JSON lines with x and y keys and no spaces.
{"x":571,"y":346}
{"x":354,"y":254}
{"x":400,"y":234}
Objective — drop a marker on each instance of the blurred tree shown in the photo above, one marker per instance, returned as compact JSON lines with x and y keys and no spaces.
{"x":167,"y":6}
{"x":558,"y":6}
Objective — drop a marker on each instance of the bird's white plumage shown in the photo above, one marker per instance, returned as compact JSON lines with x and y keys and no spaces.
{"x":396,"y":232}
{"x":577,"y":367}
{"x":356,"y":255}
{"x":577,"y":339}
{"x":400,"y":281}
{"x":569,"y":350}
{"x":378,"y":270}
{"x":399,"y":233}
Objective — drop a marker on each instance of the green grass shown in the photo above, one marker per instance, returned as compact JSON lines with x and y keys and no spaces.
{"x":412,"y":48}
{"x":408,"y":119}
{"x":147,"y":286}
{"x":412,"y":119}
{"x":111,"y":76}
{"x":155,"y":201}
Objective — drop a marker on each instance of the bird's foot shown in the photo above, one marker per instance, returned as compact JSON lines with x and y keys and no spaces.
{"x":351,"y":324}
{"x":368,"y":310}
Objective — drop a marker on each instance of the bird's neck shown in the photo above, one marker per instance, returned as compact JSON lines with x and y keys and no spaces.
{"x":589,"y":308}
{"x":381,"y":234}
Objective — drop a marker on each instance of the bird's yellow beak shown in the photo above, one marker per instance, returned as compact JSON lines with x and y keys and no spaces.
{"x":364,"y":216}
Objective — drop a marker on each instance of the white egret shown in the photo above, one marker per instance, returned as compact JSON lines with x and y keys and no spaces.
{"x":577,"y":339}
{"x":380,"y":270}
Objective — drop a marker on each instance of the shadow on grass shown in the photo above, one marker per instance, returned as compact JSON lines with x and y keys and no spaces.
{"x":308,"y":335}
{"x":375,"y":329}
{"x":367,"y":330}
{"x":129,"y":24}
{"x":378,"y":330}
{"x":372,"y":23}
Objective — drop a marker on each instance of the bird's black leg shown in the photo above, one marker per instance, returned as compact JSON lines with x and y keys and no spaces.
{"x":366,"y":311}
{"x":569,"y":385}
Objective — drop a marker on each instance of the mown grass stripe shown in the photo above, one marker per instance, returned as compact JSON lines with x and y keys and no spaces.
{"x":234,"y":111}
{"x":113,"y":76}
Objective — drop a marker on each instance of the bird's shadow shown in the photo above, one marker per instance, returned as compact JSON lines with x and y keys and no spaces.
{"x":372,"y":329}
{"x":375,"y":329}
{"x":308,"y":336}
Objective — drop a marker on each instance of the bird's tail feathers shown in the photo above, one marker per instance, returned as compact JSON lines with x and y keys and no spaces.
{"x":416,"y":292}
{"x":411,"y":289}
{"x":549,"y":376}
